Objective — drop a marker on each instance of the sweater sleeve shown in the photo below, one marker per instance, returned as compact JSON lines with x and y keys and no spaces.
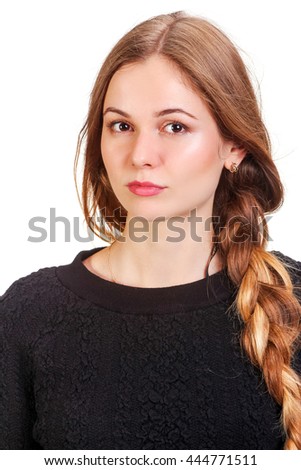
{"x":17,"y":408}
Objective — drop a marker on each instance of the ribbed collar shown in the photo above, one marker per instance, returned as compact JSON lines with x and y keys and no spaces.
{"x":128,"y":299}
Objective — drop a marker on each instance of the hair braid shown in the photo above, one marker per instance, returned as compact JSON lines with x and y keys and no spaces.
{"x":266,"y":303}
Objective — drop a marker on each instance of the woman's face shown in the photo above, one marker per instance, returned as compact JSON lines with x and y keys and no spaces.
{"x":157,"y":129}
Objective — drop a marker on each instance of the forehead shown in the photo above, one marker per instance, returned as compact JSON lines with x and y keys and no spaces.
{"x":151,"y":83}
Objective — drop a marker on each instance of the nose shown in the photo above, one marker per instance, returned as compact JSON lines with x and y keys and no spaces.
{"x":145,"y":150}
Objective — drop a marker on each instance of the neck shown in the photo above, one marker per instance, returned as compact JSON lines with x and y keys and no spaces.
{"x":159,"y":255}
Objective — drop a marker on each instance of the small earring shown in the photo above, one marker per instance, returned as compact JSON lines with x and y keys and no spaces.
{"x":234,"y":167}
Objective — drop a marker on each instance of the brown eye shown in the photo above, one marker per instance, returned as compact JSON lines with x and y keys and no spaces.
{"x":120,"y":126}
{"x":175,"y":128}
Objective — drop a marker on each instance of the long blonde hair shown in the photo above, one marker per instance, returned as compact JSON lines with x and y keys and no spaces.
{"x":265,"y":298}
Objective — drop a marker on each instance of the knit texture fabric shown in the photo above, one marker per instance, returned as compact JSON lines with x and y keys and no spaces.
{"x":89,"y":364}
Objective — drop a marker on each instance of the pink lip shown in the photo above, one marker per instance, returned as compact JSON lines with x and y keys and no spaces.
{"x":145,"y":188}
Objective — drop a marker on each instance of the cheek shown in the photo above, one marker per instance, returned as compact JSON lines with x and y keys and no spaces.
{"x":201,"y":155}
{"x":114,"y":153}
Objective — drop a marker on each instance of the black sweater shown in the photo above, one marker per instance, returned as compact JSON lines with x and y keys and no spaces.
{"x":89,"y":364}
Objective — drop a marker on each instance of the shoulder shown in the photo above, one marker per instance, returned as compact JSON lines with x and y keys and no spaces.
{"x":29,"y":300}
{"x":30,"y":288}
{"x":39,"y":308}
{"x":46,"y":290}
{"x":31,"y":283}
{"x":35,"y":288}
{"x":46,"y":284}
{"x":35,"y":300}
{"x":23,"y":309}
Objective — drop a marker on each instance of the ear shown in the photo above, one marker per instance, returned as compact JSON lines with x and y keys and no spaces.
{"x":233,"y":153}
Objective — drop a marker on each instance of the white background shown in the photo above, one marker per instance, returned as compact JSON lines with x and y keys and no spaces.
{"x":50,"y":54}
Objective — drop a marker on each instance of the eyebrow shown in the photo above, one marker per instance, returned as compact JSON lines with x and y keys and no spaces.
{"x":164,"y":112}
{"x":174,"y":110}
{"x":110,"y":109}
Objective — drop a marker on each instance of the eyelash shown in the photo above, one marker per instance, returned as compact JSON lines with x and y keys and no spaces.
{"x":184,"y":128}
{"x":111,"y":125}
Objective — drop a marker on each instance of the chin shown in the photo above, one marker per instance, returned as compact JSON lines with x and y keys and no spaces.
{"x":154,"y":214}
{"x":151,"y":209}
{"x":145,"y":215}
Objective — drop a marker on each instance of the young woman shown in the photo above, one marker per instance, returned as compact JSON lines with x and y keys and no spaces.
{"x":184,"y":332}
